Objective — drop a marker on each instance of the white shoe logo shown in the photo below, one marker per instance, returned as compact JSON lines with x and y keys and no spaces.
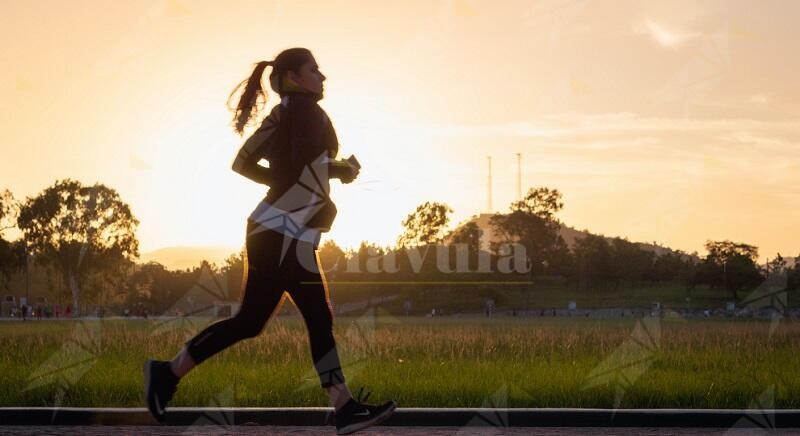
{"x":158,"y":406}
{"x":364,"y":413}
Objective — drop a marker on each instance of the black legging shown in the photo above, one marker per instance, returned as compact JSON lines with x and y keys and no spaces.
{"x":269,"y":271}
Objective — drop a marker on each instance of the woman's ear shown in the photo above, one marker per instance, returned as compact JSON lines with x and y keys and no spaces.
{"x":294,"y":77}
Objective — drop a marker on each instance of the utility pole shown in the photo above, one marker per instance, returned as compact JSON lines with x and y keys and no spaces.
{"x":27,"y":277}
{"x":490,"y":185}
{"x":519,"y":176}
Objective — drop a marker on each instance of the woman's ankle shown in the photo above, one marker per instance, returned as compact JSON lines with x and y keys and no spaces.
{"x":339,"y":396}
{"x":182,"y":363}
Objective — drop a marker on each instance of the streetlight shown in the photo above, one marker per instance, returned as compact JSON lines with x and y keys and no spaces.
{"x":28,"y":258}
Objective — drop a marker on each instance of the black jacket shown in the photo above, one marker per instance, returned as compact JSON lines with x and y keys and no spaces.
{"x":299,"y":141}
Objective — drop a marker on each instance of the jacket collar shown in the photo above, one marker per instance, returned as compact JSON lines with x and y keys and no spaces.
{"x":295,"y":95}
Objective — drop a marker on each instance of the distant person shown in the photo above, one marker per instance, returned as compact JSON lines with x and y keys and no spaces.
{"x":282,"y":235}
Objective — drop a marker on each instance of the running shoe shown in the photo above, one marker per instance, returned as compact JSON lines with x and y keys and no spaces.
{"x":160,"y":384}
{"x":356,"y":415}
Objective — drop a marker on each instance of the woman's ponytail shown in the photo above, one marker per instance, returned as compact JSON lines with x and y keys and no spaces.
{"x":252,"y":99}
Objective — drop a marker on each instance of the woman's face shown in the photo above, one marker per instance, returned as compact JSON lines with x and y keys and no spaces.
{"x":309,"y":76}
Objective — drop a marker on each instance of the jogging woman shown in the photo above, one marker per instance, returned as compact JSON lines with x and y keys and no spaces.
{"x":298,"y":140}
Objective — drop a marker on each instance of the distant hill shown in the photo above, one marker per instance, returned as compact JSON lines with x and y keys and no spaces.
{"x":569,"y":234}
{"x":178,"y":258}
{"x":791,"y":261}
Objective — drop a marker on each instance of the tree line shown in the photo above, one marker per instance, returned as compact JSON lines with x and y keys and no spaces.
{"x":83,"y":239}
{"x":596,"y":262}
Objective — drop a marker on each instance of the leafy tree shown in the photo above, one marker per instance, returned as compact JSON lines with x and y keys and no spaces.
{"x":730,"y":265}
{"x":775,"y":266}
{"x":559,"y":260}
{"x":594,"y":262}
{"x":12,"y":254}
{"x":154,"y":287}
{"x":793,"y":275}
{"x":468,"y":233}
{"x":723,"y":251}
{"x":671,"y":266}
{"x":369,"y":257}
{"x":542,"y":202}
{"x":463,"y":247}
{"x":12,"y":260}
{"x":80,"y":230}
{"x":426,"y":225}
{"x":233,"y":269}
{"x":9,"y":211}
{"x":332,"y":257}
{"x":631,"y":262}
{"x":533,"y":224}
{"x":741,"y":274}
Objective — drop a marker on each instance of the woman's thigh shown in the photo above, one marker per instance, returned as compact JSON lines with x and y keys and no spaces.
{"x":308,"y":287}
{"x":264,"y":278}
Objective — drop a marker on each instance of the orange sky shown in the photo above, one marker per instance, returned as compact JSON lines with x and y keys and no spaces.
{"x":667,"y":121}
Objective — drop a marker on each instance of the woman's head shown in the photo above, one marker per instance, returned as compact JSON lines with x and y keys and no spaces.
{"x":294,"y":69}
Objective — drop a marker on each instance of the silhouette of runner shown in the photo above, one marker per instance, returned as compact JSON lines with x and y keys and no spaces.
{"x":283,"y":232}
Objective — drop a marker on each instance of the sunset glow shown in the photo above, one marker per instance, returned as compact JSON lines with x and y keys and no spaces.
{"x":674,"y":122}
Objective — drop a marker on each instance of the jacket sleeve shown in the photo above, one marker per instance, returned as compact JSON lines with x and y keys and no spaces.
{"x":257,"y":147}
{"x":336,"y":168}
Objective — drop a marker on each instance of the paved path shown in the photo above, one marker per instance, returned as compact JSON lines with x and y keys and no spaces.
{"x":421,"y":431}
{"x":411,"y":417}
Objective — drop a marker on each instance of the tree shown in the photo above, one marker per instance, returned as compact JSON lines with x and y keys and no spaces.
{"x":533,"y":224}
{"x":722,"y":251}
{"x":559,"y":260}
{"x":730,"y":265}
{"x":793,"y":275}
{"x":369,"y":257}
{"x":233,"y":269}
{"x":671,"y":266}
{"x":9,"y":211}
{"x":155,"y":288}
{"x":12,"y":260}
{"x":594,"y":262}
{"x":80,"y":230}
{"x":630,"y":261}
{"x":12,"y":254}
{"x":542,"y":202}
{"x":776,"y":265}
{"x":426,"y":225}
{"x":469,"y":234}
{"x":332,"y":257}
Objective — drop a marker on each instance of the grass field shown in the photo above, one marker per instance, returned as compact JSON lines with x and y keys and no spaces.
{"x":545,"y":295}
{"x":442,"y":362}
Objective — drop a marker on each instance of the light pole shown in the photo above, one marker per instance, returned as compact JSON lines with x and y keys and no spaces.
{"x":28,"y":257}
{"x":725,"y":274}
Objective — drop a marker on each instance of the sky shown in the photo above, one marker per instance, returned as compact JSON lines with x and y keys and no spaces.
{"x":673,"y":122}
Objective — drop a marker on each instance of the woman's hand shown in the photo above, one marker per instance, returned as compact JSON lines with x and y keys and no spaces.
{"x":344,"y":170}
{"x":349,"y":174}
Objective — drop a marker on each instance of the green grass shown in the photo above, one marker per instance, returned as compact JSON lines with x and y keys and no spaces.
{"x":545,"y":295}
{"x":442,"y":362}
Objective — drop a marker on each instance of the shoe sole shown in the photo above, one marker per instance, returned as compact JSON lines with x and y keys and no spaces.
{"x":148,"y":369}
{"x":374,"y":421}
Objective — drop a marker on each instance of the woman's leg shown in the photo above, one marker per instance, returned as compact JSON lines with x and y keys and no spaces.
{"x":309,"y":291}
{"x":263,"y":289}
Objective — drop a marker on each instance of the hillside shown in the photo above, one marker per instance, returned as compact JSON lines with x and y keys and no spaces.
{"x":182,"y":257}
{"x":569,"y":234}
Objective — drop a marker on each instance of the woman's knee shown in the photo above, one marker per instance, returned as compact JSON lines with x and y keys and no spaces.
{"x":247,"y":326}
{"x":321,"y":320}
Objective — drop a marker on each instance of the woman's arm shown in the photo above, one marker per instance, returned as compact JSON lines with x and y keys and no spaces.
{"x":255,"y":148}
{"x":342,"y":170}
{"x":337,"y":169}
